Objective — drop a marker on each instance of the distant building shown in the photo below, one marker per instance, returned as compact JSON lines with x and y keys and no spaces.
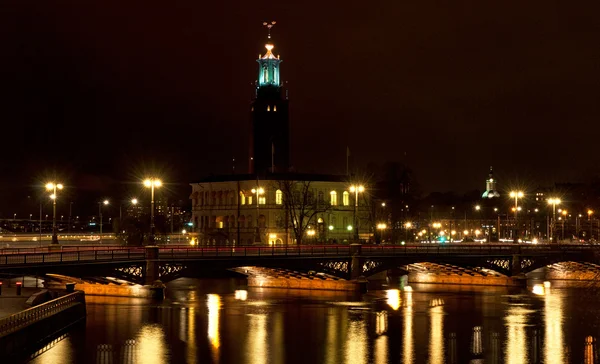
{"x":490,"y":186}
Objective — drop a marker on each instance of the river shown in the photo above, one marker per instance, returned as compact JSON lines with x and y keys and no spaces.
{"x":221,"y":321}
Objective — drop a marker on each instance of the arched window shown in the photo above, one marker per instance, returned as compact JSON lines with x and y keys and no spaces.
{"x":242,"y":198}
{"x":278,"y":197}
{"x":333,"y":195}
{"x":242,"y":221}
{"x":268,"y":107}
{"x":320,"y":197}
{"x":249,"y":221}
{"x":346,"y":198}
{"x":231,"y":221}
{"x":274,"y":107}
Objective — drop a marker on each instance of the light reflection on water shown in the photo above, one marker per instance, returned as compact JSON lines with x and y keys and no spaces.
{"x":427,"y":325}
{"x":356,"y":341}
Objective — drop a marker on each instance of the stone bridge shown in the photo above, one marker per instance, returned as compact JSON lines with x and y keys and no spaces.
{"x":145,"y":265}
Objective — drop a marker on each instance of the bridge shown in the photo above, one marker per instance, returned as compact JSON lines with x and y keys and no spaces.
{"x":145,"y":265}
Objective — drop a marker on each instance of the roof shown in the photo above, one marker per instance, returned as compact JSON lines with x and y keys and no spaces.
{"x":276,"y":177}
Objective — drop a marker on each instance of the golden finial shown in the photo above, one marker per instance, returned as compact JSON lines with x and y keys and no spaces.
{"x":269,"y":26}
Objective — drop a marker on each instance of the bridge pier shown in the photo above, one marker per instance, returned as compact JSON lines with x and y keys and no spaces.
{"x":152,"y":273}
{"x":357,"y":262}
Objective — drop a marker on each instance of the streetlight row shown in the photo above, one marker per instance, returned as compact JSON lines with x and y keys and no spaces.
{"x":53,"y":186}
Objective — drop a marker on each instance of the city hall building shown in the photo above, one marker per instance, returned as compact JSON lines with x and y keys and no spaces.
{"x":271,"y":204}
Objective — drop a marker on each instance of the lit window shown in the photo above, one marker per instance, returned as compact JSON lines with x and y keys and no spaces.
{"x":268,"y":108}
{"x":278,"y":197}
{"x":262,"y":200}
{"x":274,"y":107}
{"x":249,"y":200}
{"x":242,"y":198}
{"x":346,"y":198}
{"x":333,"y":198}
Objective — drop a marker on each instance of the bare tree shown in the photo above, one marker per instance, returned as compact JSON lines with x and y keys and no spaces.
{"x":301,"y":206}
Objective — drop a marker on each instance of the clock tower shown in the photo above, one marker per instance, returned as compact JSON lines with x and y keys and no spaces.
{"x":269,"y":117}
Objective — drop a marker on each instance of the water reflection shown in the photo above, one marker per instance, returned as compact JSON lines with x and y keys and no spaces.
{"x":151,"y":345}
{"x":436,"y":333}
{"x":393,"y":298}
{"x":589,"y":354}
{"x":516,"y":340}
{"x":257,"y":350}
{"x":553,"y":322}
{"x":381,"y":350}
{"x":408,"y":344}
{"x":381,"y":322}
{"x":332,"y":343}
{"x":191,"y":347}
{"x":213,"y":302}
{"x":273,"y":328}
{"x":356,"y":342}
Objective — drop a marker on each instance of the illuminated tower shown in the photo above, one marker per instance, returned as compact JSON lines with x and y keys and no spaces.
{"x":490,"y":186}
{"x":269,"y":139}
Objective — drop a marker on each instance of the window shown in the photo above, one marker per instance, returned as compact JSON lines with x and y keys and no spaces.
{"x":321,"y":197}
{"x":333,"y":198}
{"x":346,"y":198}
{"x":274,"y":107}
{"x":242,"y":198}
{"x":268,"y":108}
{"x":262,"y":200}
{"x":278,"y":197}
{"x":249,"y":221}
{"x":249,"y":200}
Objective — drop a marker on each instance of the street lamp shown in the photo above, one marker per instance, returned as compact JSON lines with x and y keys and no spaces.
{"x":356,"y":190}
{"x":553,"y":201}
{"x":258,"y":191}
{"x":590,"y":212}
{"x":105,"y":202}
{"x":564,"y":212}
{"x":516,"y":195}
{"x":51,"y":186}
{"x":152,"y":183}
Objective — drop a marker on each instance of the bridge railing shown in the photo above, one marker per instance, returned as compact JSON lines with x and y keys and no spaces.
{"x":26,"y":317}
{"x":60,"y":248}
{"x":184,"y":252}
{"x":73,"y":256}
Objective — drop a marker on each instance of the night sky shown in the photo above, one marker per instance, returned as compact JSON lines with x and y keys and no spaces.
{"x":101,"y":93}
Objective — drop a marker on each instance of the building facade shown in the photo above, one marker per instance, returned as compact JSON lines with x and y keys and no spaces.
{"x":241,"y":210}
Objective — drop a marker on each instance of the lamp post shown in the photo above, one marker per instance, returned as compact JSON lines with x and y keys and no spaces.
{"x":564,"y":212}
{"x":257,"y":192}
{"x":590,"y":212}
{"x":516,"y":195}
{"x":407,"y":226}
{"x":553,"y":201}
{"x":51,"y":186}
{"x":478,"y":209}
{"x":356,"y":190}
{"x":105,"y":202}
{"x":152,"y":183}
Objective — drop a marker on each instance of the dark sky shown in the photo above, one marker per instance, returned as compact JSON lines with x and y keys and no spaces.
{"x":100,"y":93}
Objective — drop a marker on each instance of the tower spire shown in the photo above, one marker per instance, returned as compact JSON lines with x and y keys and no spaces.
{"x":269,"y":26}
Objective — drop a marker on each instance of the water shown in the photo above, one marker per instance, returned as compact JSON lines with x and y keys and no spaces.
{"x":217,"y":321}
